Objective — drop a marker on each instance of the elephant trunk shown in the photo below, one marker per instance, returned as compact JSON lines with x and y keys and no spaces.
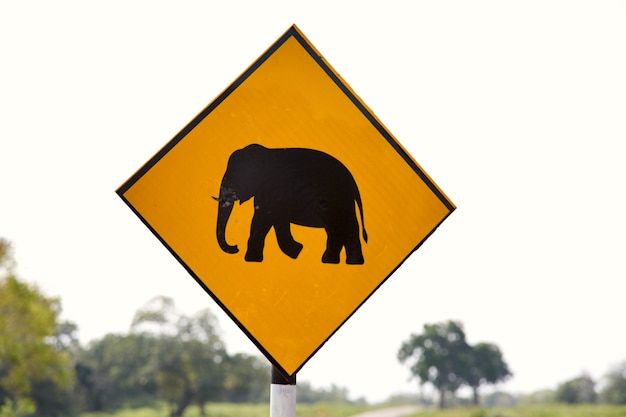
{"x":226,"y":203}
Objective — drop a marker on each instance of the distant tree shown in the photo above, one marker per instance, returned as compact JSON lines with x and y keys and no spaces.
{"x":6,"y":258}
{"x":577,"y":391}
{"x":485,"y":366}
{"x":614,"y":390}
{"x":207,"y":353}
{"x":65,"y":338}
{"x":544,"y":396}
{"x":499,"y":399}
{"x":334,"y":394}
{"x":53,"y":399}
{"x":117,"y":369}
{"x":30,"y":363}
{"x":439,"y":355}
{"x":247,"y":378}
{"x":189,"y":354}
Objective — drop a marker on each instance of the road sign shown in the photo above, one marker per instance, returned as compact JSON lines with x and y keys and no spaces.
{"x":288,"y":201}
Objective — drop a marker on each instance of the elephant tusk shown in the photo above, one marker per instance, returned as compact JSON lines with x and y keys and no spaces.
{"x":225,"y":203}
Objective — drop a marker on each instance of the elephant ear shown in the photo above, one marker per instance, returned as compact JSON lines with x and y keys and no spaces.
{"x":244,"y":194}
{"x":247,"y":167}
{"x":244,"y":198}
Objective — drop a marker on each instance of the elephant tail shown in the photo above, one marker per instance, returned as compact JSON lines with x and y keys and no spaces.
{"x":358,"y":202}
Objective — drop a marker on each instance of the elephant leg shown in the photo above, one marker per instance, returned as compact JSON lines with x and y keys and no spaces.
{"x":333,"y":248}
{"x":343,"y":231}
{"x":354,"y":254}
{"x":286,"y":241}
{"x":334,"y":243}
{"x":259,"y":228}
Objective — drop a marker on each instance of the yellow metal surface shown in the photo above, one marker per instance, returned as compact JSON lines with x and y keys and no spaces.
{"x":290,"y":98}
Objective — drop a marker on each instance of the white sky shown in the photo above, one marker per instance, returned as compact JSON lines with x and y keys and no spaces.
{"x":516,"y":109}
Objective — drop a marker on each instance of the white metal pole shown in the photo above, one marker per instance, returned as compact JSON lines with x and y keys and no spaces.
{"x":282,"y":395}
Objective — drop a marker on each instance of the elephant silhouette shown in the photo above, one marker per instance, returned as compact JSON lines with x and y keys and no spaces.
{"x":292,"y":185}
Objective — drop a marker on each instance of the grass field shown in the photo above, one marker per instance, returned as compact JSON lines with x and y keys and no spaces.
{"x":557,"y":410}
{"x":347,"y":410}
{"x":242,"y":410}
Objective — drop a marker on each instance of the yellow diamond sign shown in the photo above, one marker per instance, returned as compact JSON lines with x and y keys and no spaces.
{"x":288,"y":201}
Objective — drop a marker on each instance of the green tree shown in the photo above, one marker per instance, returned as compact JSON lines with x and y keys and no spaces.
{"x":485,"y":366}
{"x":247,"y":378}
{"x":577,"y":391}
{"x":6,"y":258}
{"x":30,"y":362}
{"x":439,"y":355}
{"x":52,"y":399}
{"x":208,"y":353}
{"x":189,"y":353}
{"x":117,"y":370}
{"x":614,"y":390}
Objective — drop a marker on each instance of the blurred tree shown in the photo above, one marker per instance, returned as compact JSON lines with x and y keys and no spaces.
{"x":117,"y":370}
{"x":439,"y":355}
{"x":499,"y":399}
{"x":334,"y":394}
{"x":189,"y":353}
{"x":207,"y":353}
{"x":486,"y":366}
{"x":66,"y":338}
{"x":6,"y":258}
{"x":30,"y":362}
{"x":577,"y":391}
{"x":52,"y":399}
{"x":614,"y":390}
{"x":247,"y":378}
{"x":544,"y":396}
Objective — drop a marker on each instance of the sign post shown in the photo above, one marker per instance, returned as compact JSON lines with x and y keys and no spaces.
{"x":289,"y":203}
{"x":282,"y":395}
